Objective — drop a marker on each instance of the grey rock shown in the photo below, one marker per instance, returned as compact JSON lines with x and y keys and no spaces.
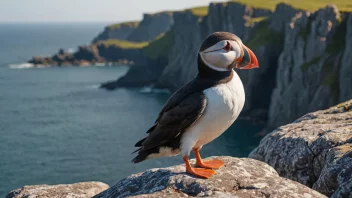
{"x":82,"y":190}
{"x":240,"y":177}
{"x":315,"y":150}
{"x":336,"y":172}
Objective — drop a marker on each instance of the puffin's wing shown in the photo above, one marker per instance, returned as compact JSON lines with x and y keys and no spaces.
{"x":174,"y":119}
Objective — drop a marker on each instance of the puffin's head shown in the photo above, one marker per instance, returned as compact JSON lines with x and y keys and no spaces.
{"x":223,"y":51}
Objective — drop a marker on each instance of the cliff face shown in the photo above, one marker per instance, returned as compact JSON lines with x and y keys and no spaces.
{"x":309,"y":66}
{"x":151,"y":26}
{"x":119,"y":31}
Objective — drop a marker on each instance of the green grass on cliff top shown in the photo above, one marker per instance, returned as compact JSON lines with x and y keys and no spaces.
{"x":123,"y":44}
{"x":199,"y":11}
{"x":343,"y":5}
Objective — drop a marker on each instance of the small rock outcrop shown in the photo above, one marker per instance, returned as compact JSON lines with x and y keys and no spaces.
{"x":315,"y":150}
{"x":82,"y":190}
{"x":84,"y":56}
{"x":240,"y":177}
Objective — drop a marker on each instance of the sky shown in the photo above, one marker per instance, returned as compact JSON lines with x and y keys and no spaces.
{"x":87,"y":10}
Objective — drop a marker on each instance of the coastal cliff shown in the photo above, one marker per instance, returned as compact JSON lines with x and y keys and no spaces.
{"x":305,"y":57}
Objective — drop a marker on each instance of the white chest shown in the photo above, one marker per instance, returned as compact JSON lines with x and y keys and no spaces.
{"x":224,"y":104}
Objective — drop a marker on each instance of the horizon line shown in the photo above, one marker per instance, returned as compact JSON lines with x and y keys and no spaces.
{"x":49,"y":22}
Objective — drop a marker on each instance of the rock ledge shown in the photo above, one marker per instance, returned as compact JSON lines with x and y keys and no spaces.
{"x":240,"y":177}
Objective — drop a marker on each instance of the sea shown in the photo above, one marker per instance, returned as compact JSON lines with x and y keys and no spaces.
{"x":58,"y":127}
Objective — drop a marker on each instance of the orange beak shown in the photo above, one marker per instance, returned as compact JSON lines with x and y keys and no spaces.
{"x":248,"y":61}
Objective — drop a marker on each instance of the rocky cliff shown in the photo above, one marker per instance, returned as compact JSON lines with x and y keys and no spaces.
{"x":315,"y":150}
{"x":305,"y":57}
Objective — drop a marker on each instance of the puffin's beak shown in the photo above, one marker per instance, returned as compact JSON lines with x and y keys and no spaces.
{"x":248,"y":61}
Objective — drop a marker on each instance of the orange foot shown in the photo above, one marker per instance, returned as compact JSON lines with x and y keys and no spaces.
{"x":214,"y":164}
{"x":201,"y":172}
{"x":198,"y":172}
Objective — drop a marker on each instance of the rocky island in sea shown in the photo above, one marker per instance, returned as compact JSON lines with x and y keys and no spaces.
{"x":305,"y":57}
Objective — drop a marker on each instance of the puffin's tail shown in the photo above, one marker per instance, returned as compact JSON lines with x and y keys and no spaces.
{"x":142,"y":153}
{"x":139,"y":158}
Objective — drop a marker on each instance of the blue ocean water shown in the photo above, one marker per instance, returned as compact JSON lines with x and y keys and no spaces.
{"x":56,"y":126}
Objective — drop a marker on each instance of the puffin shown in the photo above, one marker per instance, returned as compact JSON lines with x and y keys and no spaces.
{"x":204,"y":108}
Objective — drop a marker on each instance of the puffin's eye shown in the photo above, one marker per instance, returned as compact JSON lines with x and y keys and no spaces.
{"x":228,"y":47}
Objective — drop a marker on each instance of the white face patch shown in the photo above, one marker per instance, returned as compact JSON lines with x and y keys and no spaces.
{"x":218,"y":58}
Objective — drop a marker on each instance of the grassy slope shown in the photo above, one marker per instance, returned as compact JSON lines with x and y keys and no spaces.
{"x":160,"y":46}
{"x":152,"y":49}
{"x":343,"y":5}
